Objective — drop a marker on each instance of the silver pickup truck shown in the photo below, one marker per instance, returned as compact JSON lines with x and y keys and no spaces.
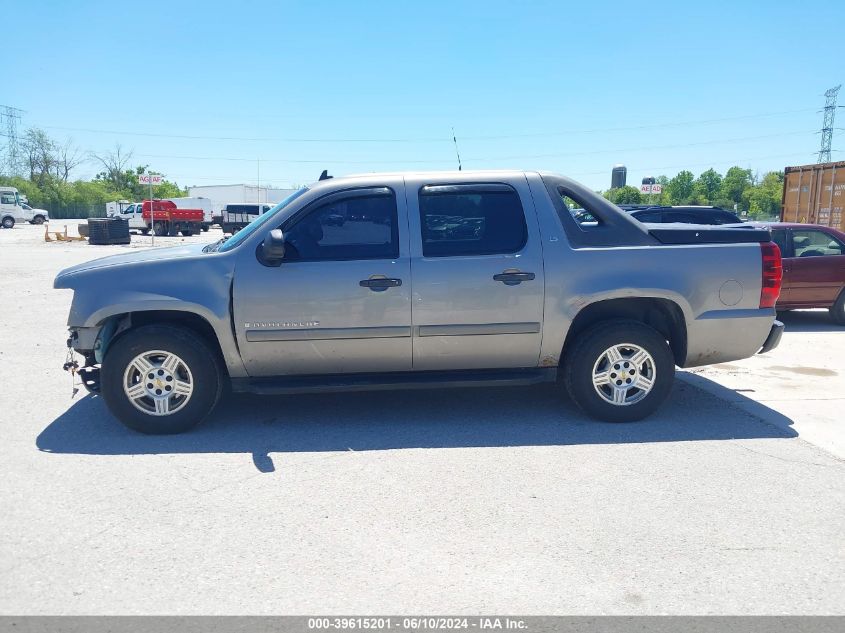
{"x":423,"y":280}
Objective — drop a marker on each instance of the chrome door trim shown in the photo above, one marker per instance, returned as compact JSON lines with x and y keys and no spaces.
{"x":316,"y":334}
{"x":478,"y":328}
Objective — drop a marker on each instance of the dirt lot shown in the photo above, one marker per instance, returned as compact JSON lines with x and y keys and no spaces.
{"x":730,"y":500}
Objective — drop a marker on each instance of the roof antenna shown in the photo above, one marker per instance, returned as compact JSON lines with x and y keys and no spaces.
{"x":325,"y":175}
{"x":458,"y":153}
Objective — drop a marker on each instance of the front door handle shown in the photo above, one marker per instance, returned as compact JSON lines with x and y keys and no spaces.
{"x":513,"y":278}
{"x":380,"y":284}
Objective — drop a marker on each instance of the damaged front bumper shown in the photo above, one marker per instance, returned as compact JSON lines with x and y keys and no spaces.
{"x":85,"y":342}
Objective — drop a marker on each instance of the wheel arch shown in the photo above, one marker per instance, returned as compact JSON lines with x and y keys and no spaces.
{"x":663,"y":315}
{"x":118,"y":325}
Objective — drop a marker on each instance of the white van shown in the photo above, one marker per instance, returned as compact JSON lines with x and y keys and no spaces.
{"x":11,"y":210}
{"x":14,"y":209}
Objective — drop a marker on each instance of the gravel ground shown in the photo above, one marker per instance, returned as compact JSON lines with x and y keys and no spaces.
{"x":729,"y":500}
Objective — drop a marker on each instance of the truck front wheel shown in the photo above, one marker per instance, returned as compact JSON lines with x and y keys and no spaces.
{"x":160,"y":379}
{"x":619,"y":371}
{"x":8,"y":222}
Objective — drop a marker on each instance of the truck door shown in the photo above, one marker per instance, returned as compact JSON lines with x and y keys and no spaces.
{"x":340,"y":300}
{"x":477,"y":272}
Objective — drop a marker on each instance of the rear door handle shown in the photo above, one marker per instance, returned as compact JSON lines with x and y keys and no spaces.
{"x":513,"y":278}
{"x":380,"y":284}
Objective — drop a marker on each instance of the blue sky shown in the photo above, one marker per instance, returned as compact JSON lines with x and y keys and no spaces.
{"x":204,"y":90}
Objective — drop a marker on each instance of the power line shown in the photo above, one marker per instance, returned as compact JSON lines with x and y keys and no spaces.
{"x":640,"y":127}
{"x":733,"y":161}
{"x":443,"y":139}
{"x":639,"y":149}
{"x":477,"y":159}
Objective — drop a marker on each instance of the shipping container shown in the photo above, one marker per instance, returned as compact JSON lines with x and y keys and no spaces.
{"x":814,"y":194}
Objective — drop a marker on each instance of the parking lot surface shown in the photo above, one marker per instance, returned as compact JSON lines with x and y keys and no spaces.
{"x":730,"y":500}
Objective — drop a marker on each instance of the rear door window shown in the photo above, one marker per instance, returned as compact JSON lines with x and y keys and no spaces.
{"x":461,"y":220}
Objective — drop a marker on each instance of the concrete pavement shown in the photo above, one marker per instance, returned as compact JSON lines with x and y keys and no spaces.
{"x":463,"y":501}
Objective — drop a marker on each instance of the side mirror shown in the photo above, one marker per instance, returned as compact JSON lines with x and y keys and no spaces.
{"x":272,"y":249}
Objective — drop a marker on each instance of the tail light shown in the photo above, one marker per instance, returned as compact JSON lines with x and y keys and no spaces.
{"x":772,"y":274}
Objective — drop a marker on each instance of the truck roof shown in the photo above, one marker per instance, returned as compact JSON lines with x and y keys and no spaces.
{"x":471,"y":174}
{"x":454,"y":175}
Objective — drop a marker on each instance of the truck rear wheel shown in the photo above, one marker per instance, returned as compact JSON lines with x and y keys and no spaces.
{"x":160,"y":379}
{"x":619,"y":371}
{"x":837,"y":310}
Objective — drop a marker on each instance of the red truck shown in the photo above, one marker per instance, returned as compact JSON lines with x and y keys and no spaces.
{"x":168,"y":219}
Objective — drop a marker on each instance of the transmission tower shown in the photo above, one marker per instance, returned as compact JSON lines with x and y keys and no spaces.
{"x":10,"y":117}
{"x":827,"y":126}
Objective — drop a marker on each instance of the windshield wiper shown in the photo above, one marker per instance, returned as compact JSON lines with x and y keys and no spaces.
{"x":213,"y":248}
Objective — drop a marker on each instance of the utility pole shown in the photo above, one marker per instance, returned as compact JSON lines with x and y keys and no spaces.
{"x":827,"y":126}
{"x":11,"y":116}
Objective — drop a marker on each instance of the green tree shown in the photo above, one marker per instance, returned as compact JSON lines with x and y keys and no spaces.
{"x":707,"y":186}
{"x":624,"y":195}
{"x":734,"y":184}
{"x":681,"y":188}
{"x":763,"y":200}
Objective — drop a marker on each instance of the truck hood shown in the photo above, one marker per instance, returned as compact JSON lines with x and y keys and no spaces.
{"x":139,"y":259}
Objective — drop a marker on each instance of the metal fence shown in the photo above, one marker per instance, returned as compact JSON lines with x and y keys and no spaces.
{"x":76,"y":211}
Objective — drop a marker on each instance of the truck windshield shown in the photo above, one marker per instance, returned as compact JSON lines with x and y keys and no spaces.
{"x":258,"y":222}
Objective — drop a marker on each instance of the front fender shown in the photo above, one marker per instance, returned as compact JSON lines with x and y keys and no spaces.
{"x":200,"y":285}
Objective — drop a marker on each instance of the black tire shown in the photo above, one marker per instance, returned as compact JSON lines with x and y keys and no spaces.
{"x":206,"y":374}
{"x":837,"y":310}
{"x":38,"y":219}
{"x":187,"y":233}
{"x":145,"y":231}
{"x":8,"y":222}
{"x":159,"y":229}
{"x":205,"y":228}
{"x":591,"y":346}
